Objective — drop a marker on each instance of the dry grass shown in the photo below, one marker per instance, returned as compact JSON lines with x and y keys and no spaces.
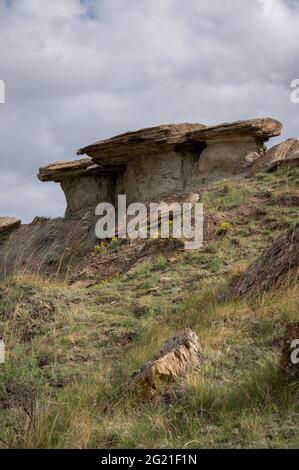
{"x":70,"y":352}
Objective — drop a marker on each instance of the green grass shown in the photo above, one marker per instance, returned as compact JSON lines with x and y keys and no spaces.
{"x":71,"y":352}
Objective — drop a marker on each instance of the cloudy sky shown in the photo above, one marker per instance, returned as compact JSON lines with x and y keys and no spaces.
{"x":77,"y":71}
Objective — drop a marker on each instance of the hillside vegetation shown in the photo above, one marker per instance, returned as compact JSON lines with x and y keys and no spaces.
{"x":71,"y":351}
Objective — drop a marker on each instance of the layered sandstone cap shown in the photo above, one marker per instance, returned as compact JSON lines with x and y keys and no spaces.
{"x":59,"y":171}
{"x":253,"y":130}
{"x":178,"y":137}
{"x":108,"y":156}
{"x":152,"y":140}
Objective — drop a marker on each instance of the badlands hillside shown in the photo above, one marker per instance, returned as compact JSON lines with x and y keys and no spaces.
{"x":74,"y":337}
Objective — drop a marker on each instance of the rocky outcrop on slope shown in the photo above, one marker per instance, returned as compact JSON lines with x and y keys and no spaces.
{"x":278,"y":264}
{"x":150,"y":164}
{"x":180,"y":354}
{"x":286,"y":153}
{"x":45,"y":245}
{"x":84,"y":183}
{"x":154,"y":139}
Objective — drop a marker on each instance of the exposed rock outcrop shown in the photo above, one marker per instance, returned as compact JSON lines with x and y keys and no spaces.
{"x":60,"y":171}
{"x":290,"y":351}
{"x":84,"y":183}
{"x":227,"y":158}
{"x":252,"y":130}
{"x":180,"y":354}
{"x":46,"y":245}
{"x":278,"y":264}
{"x":286,"y":153}
{"x":152,"y":140}
{"x":149,"y":165}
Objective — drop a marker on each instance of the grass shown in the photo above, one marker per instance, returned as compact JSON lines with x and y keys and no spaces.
{"x":71,"y":352}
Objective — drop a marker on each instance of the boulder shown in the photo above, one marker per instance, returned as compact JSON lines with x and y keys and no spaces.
{"x":290,"y":351}
{"x":180,"y":354}
{"x":277,"y":264}
{"x":286,"y":153}
{"x":8,"y":224}
{"x":252,"y":130}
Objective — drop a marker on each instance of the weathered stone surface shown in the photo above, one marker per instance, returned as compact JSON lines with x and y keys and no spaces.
{"x":65,"y":169}
{"x":290,"y":351}
{"x":8,"y":224}
{"x":60,"y":171}
{"x":143,"y":142}
{"x":286,"y":153}
{"x":84,"y":193}
{"x":253,"y":130}
{"x":227,"y":158}
{"x":180,"y":354}
{"x":277,"y":264}
{"x":46,"y":245}
{"x":84,"y":183}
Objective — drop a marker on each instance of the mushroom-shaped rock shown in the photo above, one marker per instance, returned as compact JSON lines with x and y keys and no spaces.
{"x":151,"y":164}
{"x":286,"y":153}
{"x":252,"y":130}
{"x":278,"y":263}
{"x":180,"y":354}
{"x":84,"y":183}
{"x":8,"y":224}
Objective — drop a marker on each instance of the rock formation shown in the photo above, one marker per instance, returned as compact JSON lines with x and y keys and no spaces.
{"x":286,"y":153}
{"x":277,"y":264}
{"x":150,"y":141}
{"x":252,"y":130}
{"x":180,"y":354}
{"x":84,"y":183}
{"x":151,"y":164}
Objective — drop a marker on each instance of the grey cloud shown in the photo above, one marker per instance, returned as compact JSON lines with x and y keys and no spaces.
{"x":76,"y":71}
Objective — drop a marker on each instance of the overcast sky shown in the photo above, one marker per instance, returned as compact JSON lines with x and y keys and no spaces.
{"x":78,"y":71}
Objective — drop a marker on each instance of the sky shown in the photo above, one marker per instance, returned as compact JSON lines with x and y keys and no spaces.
{"x":79,"y":71}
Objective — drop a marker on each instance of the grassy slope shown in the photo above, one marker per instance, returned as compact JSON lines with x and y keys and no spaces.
{"x":70,"y":352}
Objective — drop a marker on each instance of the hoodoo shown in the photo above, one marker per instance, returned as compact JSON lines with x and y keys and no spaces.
{"x":150,"y":164}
